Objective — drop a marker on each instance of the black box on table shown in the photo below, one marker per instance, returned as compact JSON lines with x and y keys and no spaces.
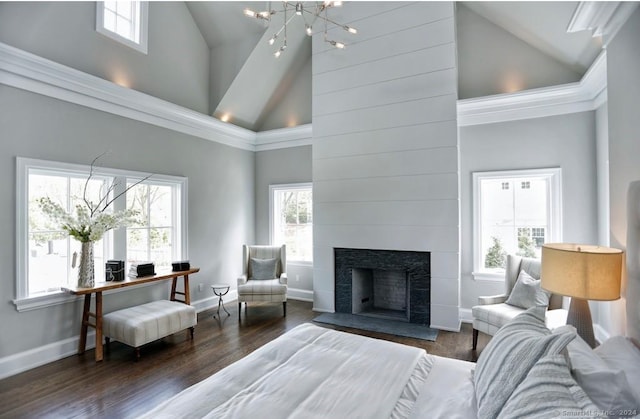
{"x":114,"y":270}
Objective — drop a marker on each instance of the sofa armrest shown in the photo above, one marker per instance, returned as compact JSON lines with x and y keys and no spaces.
{"x":242,"y":279}
{"x":283,"y":278}
{"x":492,"y":299}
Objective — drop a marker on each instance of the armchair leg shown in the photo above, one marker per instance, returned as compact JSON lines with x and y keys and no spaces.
{"x":239,"y":311}
{"x":284,"y":307}
{"x":475,"y":339}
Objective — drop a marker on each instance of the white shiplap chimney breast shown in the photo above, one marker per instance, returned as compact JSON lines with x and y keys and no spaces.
{"x":385,"y":143}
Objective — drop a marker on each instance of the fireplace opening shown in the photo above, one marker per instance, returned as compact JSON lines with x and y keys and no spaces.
{"x":391,"y":283}
{"x":380,"y":293}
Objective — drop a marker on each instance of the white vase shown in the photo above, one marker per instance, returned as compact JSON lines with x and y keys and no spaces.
{"x":86,"y":275}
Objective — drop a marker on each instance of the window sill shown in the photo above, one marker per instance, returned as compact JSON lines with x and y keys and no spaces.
{"x":42,"y":301}
{"x":488,"y":276}
{"x":59,"y":297}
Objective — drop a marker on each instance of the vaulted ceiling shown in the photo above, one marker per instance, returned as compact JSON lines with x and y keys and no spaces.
{"x":248,"y":83}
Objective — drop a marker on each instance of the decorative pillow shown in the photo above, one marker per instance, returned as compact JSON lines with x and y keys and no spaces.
{"x":527,"y":293}
{"x":606,"y":386}
{"x":509,"y":356}
{"x":620,"y":353}
{"x":549,"y":391}
{"x":263,"y":268}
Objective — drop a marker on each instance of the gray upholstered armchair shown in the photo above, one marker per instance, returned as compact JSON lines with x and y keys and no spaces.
{"x":264,"y":276}
{"x":492,"y":312}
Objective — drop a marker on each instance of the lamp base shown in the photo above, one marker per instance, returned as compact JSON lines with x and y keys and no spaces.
{"x":580,"y":317}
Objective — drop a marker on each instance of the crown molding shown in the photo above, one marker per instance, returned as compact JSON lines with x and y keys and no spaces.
{"x":586,"y":95}
{"x":30,"y":72}
{"x":284,"y":138}
{"x":602,"y":18}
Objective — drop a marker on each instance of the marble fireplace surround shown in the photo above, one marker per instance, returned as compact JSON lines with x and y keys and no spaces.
{"x":416,"y":264}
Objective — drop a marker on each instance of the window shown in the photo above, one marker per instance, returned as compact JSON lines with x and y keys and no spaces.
{"x":45,"y":252}
{"x":516,"y":219}
{"x":153,"y":240}
{"x":124,"y":21}
{"x":292,"y":220}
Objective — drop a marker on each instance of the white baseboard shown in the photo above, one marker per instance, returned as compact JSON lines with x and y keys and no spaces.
{"x":212,"y":302}
{"x":322,"y":310}
{"x":447,"y":328}
{"x":300,"y":294}
{"x":23,"y":361}
{"x":465,"y":315}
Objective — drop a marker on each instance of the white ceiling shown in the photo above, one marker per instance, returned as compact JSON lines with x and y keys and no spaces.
{"x":543,"y":25}
{"x":223,"y":22}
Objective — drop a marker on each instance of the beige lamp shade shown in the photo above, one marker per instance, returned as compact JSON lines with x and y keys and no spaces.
{"x":583,"y":271}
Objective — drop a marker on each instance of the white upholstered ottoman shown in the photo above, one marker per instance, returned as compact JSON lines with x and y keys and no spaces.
{"x":138,"y":325}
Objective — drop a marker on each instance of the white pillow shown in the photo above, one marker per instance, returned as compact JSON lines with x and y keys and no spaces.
{"x":509,"y":356}
{"x":620,"y":353}
{"x":606,"y":386}
{"x":527,"y":293}
{"x":549,"y":391}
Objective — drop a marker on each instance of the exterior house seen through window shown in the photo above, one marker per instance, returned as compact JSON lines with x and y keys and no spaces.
{"x":292,"y":220}
{"x":515,"y":212}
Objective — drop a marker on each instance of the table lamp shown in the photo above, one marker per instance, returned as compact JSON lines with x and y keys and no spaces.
{"x":582,"y":272}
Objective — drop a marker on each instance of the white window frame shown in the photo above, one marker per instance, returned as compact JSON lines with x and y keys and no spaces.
{"x":554,"y":208}
{"x":25,"y":302}
{"x":142,"y":21}
{"x":272,"y":190}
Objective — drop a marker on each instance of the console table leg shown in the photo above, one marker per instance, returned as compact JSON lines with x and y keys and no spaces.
{"x":99,"y":352}
{"x":187,"y":294}
{"x":85,"y":324}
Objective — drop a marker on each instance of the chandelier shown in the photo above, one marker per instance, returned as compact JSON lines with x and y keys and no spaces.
{"x":310,"y":16}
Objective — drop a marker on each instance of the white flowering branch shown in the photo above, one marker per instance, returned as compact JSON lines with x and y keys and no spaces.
{"x":105,"y":196}
{"x":91,"y":221}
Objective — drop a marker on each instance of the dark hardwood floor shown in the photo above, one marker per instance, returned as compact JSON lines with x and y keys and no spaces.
{"x":120,"y":387}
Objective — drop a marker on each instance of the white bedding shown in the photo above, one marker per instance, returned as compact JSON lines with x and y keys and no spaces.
{"x":313,"y":372}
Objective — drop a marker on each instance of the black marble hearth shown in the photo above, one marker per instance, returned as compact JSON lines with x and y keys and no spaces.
{"x":417,"y":266}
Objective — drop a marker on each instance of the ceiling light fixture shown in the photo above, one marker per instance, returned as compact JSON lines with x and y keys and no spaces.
{"x":318,"y":11}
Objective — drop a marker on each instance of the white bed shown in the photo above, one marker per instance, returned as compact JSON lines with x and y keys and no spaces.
{"x":313,"y":372}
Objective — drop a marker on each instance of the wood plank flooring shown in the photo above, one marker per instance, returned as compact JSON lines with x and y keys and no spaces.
{"x":120,"y":387}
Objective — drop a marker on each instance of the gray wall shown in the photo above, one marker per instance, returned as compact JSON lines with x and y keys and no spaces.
{"x":226,"y":62}
{"x":175,"y":69}
{"x":602,"y":164}
{"x":566,"y":141}
{"x":287,"y":165}
{"x":492,"y":60}
{"x":294,"y":108}
{"x":623,"y":84}
{"x":221,"y":197}
{"x":385,"y":155}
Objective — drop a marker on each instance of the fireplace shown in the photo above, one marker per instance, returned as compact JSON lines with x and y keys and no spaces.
{"x":393,"y":284}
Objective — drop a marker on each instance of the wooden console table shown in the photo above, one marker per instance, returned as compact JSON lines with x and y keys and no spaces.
{"x":100,"y":287}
